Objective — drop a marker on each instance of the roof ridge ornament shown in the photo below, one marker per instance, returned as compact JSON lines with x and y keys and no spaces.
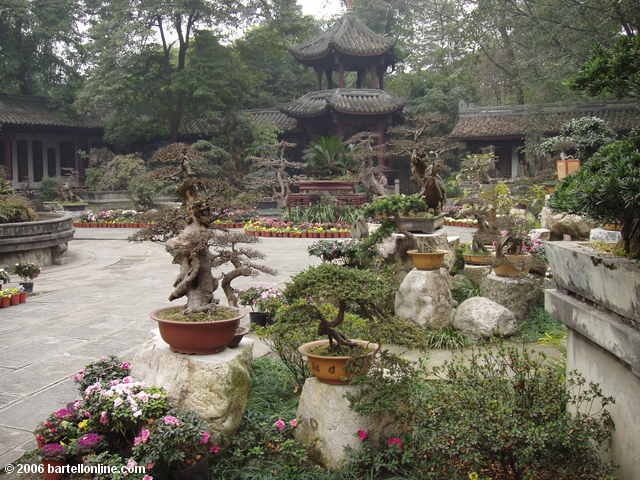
{"x":348,"y":4}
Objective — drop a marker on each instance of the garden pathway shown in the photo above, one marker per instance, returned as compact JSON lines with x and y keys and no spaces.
{"x":95,"y":304}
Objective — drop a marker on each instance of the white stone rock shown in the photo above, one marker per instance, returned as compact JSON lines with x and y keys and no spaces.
{"x":327,"y":424}
{"x":542,"y":234}
{"x":481,"y":317}
{"x":477,"y":273}
{"x":215,"y":386}
{"x":602,"y":235}
{"x":560,"y":224}
{"x":516,"y":294}
{"x":424,"y":297}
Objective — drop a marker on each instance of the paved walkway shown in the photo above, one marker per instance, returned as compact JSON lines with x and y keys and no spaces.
{"x":96,"y":304}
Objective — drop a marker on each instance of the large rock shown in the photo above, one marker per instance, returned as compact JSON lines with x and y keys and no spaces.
{"x":477,"y":273}
{"x":393,"y":249}
{"x":215,"y":386}
{"x":515,"y":294}
{"x":602,"y":235}
{"x":480,"y":317}
{"x":561,"y":224}
{"x":424,"y":297}
{"x":327,"y":424}
{"x":542,"y":234}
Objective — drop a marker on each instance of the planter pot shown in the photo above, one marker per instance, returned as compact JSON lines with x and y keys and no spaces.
{"x":472,"y":259}
{"x":197,"y":471}
{"x":23,"y":297}
{"x":15,"y":299}
{"x":612,"y":282}
{"x":337,"y":370}
{"x":237,"y":338}
{"x":427,"y":261}
{"x":422,"y":224}
{"x":27,"y":286}
{"x":5,"y":302}
{"x":197,"y":338}
{"x":566,"y":167}
{"x":515,"y":266}
{"x":260,"y":318}
{"x":49,"y":469}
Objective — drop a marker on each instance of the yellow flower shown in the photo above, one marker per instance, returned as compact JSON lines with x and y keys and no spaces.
{"x":473,"y":476}
{"x":83,"y":424}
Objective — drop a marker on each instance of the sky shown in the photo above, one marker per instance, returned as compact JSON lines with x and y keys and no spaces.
{"x":321,"y":8}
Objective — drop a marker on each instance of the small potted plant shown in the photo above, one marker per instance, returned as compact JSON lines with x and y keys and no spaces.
{"x":249,"y":298}
{"x":477,"y":254}
{"x":4,"y":277}
{"x":178,"y":444}
{"x":5,"y":299}
{"x":27,"y":272}
{"x":512,"y":253}
{"x":54,"y":456}
{"x":336,"y":359}
{"x":15,"y":295}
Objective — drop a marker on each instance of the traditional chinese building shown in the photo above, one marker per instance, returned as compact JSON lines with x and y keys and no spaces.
{"x":37,"y":140}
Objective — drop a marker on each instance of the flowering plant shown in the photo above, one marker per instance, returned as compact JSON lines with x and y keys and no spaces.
{"x":179,"y":438}
{"x":270,"y":300}
{"x":60,"y":426}
{"x":54,"y":452}
{"x":89,"y":443}
{"x":536,"y":248}
{"x":4,"y":276}
{"x":105,"y":370}
{"x":250,"y":296}
{"x":26,"y":270}
{"x":335,"y":250}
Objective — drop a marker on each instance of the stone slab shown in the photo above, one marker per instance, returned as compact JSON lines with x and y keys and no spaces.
{"x":215,"y":386}
{"x":602,"y":235}
{"x":477,"y":273}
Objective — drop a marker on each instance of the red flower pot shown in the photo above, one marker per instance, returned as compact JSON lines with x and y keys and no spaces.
{"x":23,"y":297}
{"x":15,"y":299}
{"x":5,"y":302}
{"x":49,"y":470}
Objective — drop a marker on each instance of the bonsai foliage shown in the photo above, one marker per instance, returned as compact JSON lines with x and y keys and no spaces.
{"x":27,"y":271}
{"x":364,"y":150}
{"x":580,"y":138}
{"x":607,"y":188}
{"x":189,"y":234}
{"x":14,"y":208}
{"x":348,"y":289}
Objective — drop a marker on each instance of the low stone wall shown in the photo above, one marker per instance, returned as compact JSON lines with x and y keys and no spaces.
{"x":41,"y":242}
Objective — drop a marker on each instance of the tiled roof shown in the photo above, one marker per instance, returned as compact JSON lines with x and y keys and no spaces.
{"x":38,"y":111}
{"x":349,"y":36}
{"x":354,"y":101}
{"x":270,"y":116}
{"x":518,"y":120}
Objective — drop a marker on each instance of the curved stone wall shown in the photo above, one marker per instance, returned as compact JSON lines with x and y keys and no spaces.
{"x":41,"y":242}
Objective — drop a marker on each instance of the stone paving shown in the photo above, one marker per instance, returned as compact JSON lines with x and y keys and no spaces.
{"x":96,"y":303}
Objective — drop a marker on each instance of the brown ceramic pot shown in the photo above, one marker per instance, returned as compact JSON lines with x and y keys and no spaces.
{"x":472,"y":259}
{"x":197,"y":338}
{"x":427,"y":261}
{"x":516,"y":266}
{"x":337,"y":370}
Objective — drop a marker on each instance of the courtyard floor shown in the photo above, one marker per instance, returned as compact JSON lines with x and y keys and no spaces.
{"x":97,"y":304}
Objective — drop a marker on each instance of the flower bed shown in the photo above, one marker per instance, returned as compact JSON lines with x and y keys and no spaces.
{"x":12,"y":296}
{"x":461,"y":222}
{"x":111,"y":219}
{"x":274,"y":228}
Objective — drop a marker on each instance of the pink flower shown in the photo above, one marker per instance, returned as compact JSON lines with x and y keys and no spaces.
{"x":131,"y":463}
{"x":205,"y":437}
{"x":214,"y":449}
{"x":147,"y":477}
{"x":117,"y":402}
{"x":293,"y":423}
{"x":280,"y":425}
{"x":394,"y":441}
{"x":114,"y":382}
{"x":127,"y":380}
{"x":104,"y":419}
{"x":169,"y":420}
{"x":125,"y":365}
{"x":363,"y":434}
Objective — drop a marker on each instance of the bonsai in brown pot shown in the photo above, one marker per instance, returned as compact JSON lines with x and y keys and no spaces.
{"x":191,"y":238}
{"x":512,"y":252}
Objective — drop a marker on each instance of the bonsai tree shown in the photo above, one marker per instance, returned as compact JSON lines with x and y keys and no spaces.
{"x":607,"y":189}
{"x":189,"y":233}
{"x":347,"y":289}
{"x":579,"y":138}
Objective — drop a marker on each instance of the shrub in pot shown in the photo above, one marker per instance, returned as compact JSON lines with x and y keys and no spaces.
{"x":512,"y":252}
{"x":27,"y":272}
{"x":266,"y":300}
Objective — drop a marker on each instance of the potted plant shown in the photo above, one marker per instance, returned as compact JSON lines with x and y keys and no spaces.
{"x":27,"y":272}
{"x":477,"y":254}
{"x":54,"y":456}
{"x":336,"y":359}
{"x":389,"y":210}
{"x":512,"y":253}
{"x":15,"y":295}
{"x":4,"y":277}
{"x":5,"y":299}
{"x":178,"y":444}
{"x":262,"y":299}
{"x":606,"y":189}
{"x":201,"y":326}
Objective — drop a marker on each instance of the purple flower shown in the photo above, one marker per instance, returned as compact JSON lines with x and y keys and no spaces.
{"x":169,"y":420}
{"x":363,"y":434}
{"x":125,"y":365}
{"x":280,"y":425}
{"x":89,"y":441}
{"x":62,"y":413}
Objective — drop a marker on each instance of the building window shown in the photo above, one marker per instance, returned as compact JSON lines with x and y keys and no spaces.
{"x":51,"y":162}
{"x":36,"y":154}
{"x":67,"y":158}
{"x":22,"y":150}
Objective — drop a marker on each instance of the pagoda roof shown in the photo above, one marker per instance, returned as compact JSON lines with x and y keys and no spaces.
{"x":349,"y":36}
{"x":350,"y":101}
{"x":42,"y":112}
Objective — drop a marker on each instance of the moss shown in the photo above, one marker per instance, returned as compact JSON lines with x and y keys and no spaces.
{"x":219,"y":314}
{"x":324,"y":351}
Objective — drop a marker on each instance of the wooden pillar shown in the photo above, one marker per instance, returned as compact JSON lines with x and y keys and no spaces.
{"x":8,"y":157}
{"x":375,"y":79}
{"x":329,"y":76}
{"x":380,"y":73}
{"x":341,"y":81}
{"x":319,"y":75}
{"x":359,"y":79}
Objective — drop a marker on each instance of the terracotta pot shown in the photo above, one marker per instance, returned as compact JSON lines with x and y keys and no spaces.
{"x":23,"y":297}
{"x":15,"y":299}
{"x":49,"y":470}
{"x":517,"y":266}
{"x":5,"y":302}
{"x":197,"y":338}
{"x":473,"y":259}
{"x":427,"y":261}
{"x":337,"y":370}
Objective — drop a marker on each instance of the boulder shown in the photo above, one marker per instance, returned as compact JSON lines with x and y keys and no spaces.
{"x":214,"y":386}
{"x":477,"y":273}
{"x":424,"y":297}
{"x":542,"y":234}
{"x":327,"y":424}
{"x":560,"y":224}
{"x":480,"y":317}
{"x":516,"y":294}
{"x":602,"y":235}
